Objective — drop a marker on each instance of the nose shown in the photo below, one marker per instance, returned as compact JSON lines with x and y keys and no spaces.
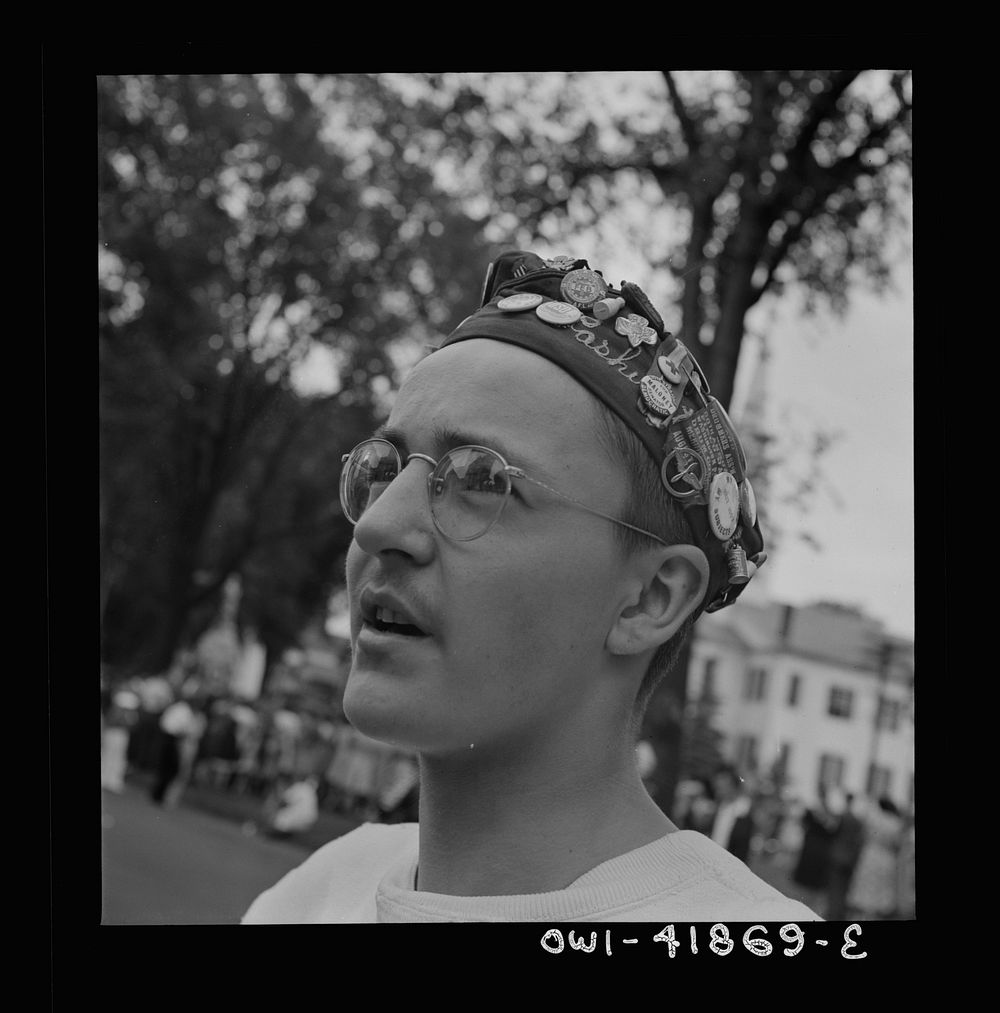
{"x":399,"y":521}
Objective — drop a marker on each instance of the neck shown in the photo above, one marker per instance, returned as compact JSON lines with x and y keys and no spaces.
{"x":522,"y":821}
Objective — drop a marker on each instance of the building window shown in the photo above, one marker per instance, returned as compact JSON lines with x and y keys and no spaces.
{"x":793,"y":689}
{"x":840,"y":702}
{"x":755,"y":686}
{"x":780,"y":769}
{"x":889,"y":713}
{"x":831,"y":771}
{"x":746,"y":752}
{"x":708,"y":679}
{"x":879,"y":781}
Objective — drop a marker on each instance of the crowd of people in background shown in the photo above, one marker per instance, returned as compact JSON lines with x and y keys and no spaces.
{"x":295,"y":760}
{"x":847,"y":857}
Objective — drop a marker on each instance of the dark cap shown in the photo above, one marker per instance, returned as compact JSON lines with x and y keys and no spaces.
{"x":613,"y":342}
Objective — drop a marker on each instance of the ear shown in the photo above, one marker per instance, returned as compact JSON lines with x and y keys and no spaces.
{"x":671,"y":594}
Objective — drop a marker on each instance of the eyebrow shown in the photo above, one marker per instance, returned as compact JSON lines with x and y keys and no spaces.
{"x":445,"y":438}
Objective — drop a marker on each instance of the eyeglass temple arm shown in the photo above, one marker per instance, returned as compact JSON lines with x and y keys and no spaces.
{"x":517,"y":473}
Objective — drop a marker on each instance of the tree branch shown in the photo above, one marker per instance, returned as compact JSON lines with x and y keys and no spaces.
{"x":688,"y":128}
{"x":827,"y":182}
{"x":824,"y":105}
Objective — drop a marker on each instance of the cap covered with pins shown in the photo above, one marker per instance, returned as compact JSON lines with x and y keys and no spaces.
{"x":613,"y":342}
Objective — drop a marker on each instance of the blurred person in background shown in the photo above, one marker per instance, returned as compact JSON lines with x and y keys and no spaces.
{"x":188,"y":740}
{"x":177,"y":722}
{"x":121,"y":716}
{"x":313,"y":754}
{"x":769,"y":817}
{"x":874,"y":891}
{"x":326,"y":732}
{"x":354,"y":772}
{"x":792,"y":829}
{"x":732,"y":821}
{"x":249,"y":735}
{"x":288,"y":730}
{"x":505,"y":614}
{"x":155,"y":695}
{"x":819,"y":826}
{"x":295,"y":810}
{"x":845,"y":850}
{"x":906,"y":891}
{"x":218,"y":749}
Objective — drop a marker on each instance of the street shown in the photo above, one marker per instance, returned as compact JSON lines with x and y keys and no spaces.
{"x":191,"y":866}
{"x":182,"y":866}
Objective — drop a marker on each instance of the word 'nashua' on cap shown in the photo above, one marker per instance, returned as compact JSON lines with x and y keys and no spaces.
{"x":613,"y":342}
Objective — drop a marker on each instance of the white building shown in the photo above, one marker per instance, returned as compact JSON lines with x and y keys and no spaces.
{"x":820,"y":692}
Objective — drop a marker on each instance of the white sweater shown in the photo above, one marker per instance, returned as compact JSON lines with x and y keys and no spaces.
{"x":368,"y":874}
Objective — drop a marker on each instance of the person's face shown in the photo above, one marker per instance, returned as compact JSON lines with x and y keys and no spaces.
{"x":515,"y":620}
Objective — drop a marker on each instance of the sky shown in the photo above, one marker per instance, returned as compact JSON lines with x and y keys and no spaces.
{"x":853,"y":376}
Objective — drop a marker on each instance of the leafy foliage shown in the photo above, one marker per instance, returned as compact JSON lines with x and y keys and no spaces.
{"x":245,"y":227}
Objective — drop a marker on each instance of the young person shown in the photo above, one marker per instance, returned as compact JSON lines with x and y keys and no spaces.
{"x":554,"y":499}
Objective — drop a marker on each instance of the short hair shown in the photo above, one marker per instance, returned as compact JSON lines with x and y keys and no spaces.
{"x":647,"y":505}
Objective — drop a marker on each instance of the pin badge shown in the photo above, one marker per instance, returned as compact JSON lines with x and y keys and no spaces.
{"x":748,"y":503}
{"x":689,"y":479}
{"x":487,"y":282}
{"x":635,"y":296}
{"x":669,"y":370}
{"x":561,"y":263}
{"x":723,"y":506}
{"x":605,"y":309}
{"x":734,"y":436}
{"x":519,"y":301}
{"x":559,"y":313}
{"x":657,"y":395}
{"x":636,"y":329}
{"x":736,"y":564}
{"x":583,"y":288}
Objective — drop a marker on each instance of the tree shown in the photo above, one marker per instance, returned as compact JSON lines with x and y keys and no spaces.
{"x":248,"y":224}
{"x":770,"y":178}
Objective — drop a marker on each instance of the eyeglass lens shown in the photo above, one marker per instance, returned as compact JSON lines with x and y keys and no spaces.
{"x":466,"y":490}
{"x":367,"y":472}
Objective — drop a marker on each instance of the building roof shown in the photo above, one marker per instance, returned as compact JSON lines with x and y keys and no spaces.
{"x":823,"y":631}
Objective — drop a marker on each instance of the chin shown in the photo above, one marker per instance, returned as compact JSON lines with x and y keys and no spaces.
{"x":382,"y":709}
{"x":377,"y":708}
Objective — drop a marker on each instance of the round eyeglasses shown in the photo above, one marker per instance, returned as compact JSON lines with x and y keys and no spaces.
{"x":467,"y":489}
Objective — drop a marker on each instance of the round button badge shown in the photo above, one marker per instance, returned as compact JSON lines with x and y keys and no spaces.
{"x":559,"y":313}
{"x":657,"y":395}
{"x":583,"y":288}
{"x":669,"y":370}
{"x":519,"y":301}
{"x":688,"y":477}
{"x":723,"y":505}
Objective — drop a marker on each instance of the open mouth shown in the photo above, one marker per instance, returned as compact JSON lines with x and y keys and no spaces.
{"x":386,"y":621}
